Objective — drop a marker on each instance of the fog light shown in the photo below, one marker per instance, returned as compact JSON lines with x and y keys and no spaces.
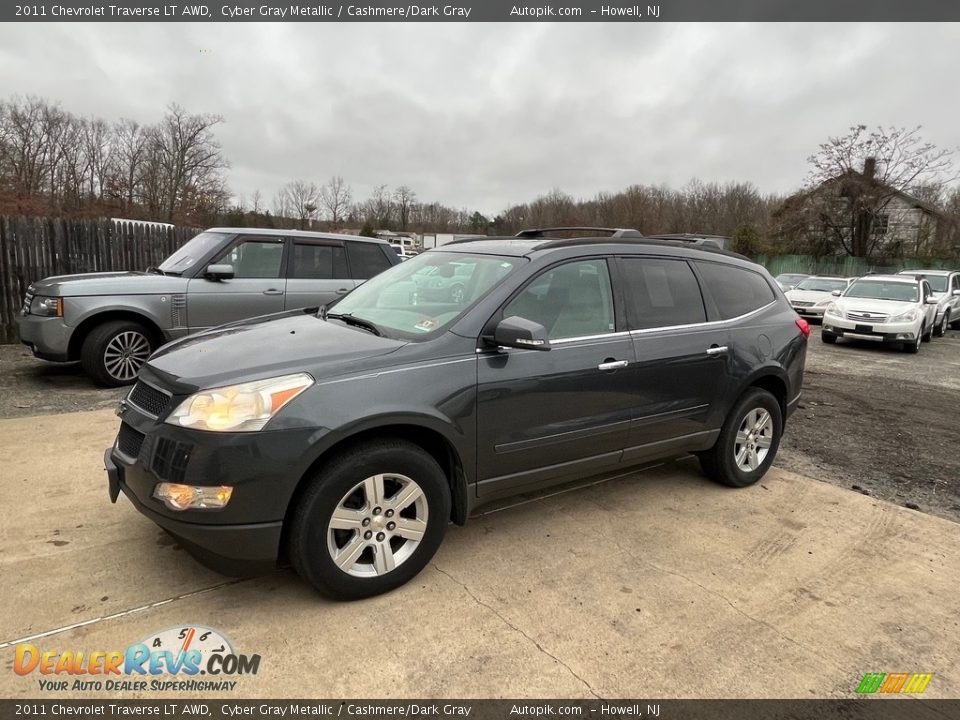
{"x":193,"y":497}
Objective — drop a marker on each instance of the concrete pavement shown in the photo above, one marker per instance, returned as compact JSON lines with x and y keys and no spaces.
{"x":656,"y":584}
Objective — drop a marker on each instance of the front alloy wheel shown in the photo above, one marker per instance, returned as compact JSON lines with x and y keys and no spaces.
{"x":113,"y":352}
{"x":369,"y":519}
{"x":754,"y":439}
{"x":377,"y":525}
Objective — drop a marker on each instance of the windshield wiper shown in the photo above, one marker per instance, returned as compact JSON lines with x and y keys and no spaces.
{"x":155,"y":271}
{"x":351,"y":319}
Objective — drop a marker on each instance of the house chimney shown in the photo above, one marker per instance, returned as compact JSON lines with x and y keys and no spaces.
{"x":869,"y":168}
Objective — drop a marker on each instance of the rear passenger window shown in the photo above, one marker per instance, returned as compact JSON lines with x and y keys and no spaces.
{"x":735,"y":290}
{"x":366,"y":259}
{"x":319,"y":262}
{"x":662,"y":293}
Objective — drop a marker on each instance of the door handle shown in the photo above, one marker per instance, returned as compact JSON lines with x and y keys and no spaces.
{"x":717,"y":349}
{"x":613,"y":364}
{"x":273,"y":291}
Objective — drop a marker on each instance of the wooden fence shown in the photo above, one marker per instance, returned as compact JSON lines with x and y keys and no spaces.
{"x":35,"y":248}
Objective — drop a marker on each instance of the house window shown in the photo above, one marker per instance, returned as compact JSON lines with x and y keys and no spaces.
{"x":881,"y":222}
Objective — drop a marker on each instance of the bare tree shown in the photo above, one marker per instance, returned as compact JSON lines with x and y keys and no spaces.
{"x":256,"y":202}
{"x":336,"y":197}
{"x":129,"y":155}
{"x":299,"y":199}
{"x":404,"y":198}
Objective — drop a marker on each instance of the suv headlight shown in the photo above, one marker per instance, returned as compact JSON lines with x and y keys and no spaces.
{"x":239,"y":408}
{"x":47,"y":306}
{"x":908,"y":316}
{"x":823,"y":303}
{"x":832,"y":309}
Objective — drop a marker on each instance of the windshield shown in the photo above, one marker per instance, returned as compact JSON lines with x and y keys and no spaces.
{"x":426,"y":293}
{"x":880,"y":290}
{"x":200,"y":246}
{"x":821,"y":285}
{"x":789,"y":278}
{"x":938,"y":283}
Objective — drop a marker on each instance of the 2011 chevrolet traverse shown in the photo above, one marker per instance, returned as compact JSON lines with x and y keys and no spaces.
{"x":346,"y":440}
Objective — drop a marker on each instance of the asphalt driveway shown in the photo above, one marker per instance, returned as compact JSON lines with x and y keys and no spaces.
{"x":658,"y":583}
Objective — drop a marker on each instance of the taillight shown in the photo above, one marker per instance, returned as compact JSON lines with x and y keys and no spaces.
{"x":804,"y":326}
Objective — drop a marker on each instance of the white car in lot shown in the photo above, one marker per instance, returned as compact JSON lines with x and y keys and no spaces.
{"x":946,"y":289}
{"x":811,"y":296}
{"x":883,"y":308}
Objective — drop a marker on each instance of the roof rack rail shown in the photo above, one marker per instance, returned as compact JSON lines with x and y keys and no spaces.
{"x":614,"y":232}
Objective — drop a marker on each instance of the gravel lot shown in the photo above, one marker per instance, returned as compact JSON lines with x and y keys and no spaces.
{"x":872,"y":419}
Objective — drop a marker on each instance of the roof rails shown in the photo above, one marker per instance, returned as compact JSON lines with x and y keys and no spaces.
{"x":614,"y":232}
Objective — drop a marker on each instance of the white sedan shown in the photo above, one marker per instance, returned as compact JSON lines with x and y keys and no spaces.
{"x":811,"y":296}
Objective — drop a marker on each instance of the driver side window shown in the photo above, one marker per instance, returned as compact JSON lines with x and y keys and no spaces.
{"x":570,"y":300}
{"x":254,"y":259}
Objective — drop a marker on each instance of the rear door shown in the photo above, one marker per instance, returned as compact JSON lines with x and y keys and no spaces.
{"x":368,"y":259}
{"x":317,"y":273}
{"x":257,"y":287}
{"x":682,"y":360}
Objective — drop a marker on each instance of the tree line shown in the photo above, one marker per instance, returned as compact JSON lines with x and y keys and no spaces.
{"x":53,"y":162}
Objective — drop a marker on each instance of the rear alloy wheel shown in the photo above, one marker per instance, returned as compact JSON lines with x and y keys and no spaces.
{"x":748,"y":441}
{"x":941,"y":329}
{"x":113,"y":353}
{"x":370,"y":520}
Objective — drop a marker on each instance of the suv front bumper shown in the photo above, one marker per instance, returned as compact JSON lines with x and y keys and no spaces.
{"x":895,"y":332}
{"x":263,"y":468}
{"x":47,"y":337}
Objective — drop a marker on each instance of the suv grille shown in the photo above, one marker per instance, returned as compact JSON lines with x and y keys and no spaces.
{"x":170,"y":460}
{"x":148,"y":398}
{"x":129,"y":441}
{"x":861,"y":316}
{"x":802,"y":303}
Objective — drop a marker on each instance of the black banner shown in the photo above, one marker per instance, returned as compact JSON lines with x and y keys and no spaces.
{"x":479,"y":11}
{"x":900,"y":708}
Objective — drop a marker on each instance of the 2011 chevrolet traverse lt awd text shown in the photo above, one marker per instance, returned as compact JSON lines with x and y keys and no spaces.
{"x":345,"y":441}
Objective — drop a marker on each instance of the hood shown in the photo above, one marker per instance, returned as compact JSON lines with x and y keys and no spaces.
{"x":890,"y":307}
{"x":109,"y":283}
{"x":809,"y":295}
{"x":266,"y":347}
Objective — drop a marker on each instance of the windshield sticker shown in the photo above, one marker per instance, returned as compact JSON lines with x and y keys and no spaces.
{"x":426,"y":324}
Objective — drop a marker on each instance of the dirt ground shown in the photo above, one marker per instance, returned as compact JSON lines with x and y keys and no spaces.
{"x":872,"y":419}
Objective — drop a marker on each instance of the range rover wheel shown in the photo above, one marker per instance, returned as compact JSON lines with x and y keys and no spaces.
{"x":913,"y":346}
{"x":941,"y":329}
{"x":370,"y":520}
{"x":748,"y":441}
{"x":113,"y":353}
{"x":828,"y":337}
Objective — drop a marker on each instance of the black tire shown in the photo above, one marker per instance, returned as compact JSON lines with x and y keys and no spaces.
{"x":927,"y":335}
{"x":941,"y":329}
{"x":828,"y":337}
{"x":110,"y":372}
{"x":309,"y":522}
{"x":719,"y":462}
{"x":913,"y":347}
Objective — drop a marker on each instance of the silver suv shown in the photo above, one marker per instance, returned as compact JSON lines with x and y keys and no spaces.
{"x":112,"y":322}
{"x":945,"y":285}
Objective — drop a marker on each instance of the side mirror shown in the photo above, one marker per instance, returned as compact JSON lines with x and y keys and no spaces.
{"x":837,"y":293}
{"x":956,"y":293}
{"x":932,"y":301}
{"x":518,"y":332}
{"x":219,"y":272}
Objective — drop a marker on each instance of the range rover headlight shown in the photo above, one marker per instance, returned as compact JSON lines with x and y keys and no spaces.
{"x":47,"y":306}
{"x":239,"y":408}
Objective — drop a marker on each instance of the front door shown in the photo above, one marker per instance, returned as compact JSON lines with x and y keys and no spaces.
{"x":546,"y":415}
{"x":257,"y":287}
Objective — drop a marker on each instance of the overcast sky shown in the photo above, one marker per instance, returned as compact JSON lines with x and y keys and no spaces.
{"x":485,"y":115}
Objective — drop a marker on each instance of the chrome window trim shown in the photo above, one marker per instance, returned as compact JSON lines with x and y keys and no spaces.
{"x":710,"y":323}
{"x":582,"y":338}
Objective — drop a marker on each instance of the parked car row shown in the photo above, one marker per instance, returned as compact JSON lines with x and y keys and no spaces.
{"x":906,"y":309}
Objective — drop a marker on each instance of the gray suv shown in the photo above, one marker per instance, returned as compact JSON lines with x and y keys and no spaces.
{"x":112,"y":322}
{"x":345,"y":441}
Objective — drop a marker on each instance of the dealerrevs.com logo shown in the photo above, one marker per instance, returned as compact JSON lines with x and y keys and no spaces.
{"x":181,"y":659}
